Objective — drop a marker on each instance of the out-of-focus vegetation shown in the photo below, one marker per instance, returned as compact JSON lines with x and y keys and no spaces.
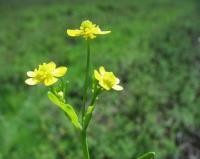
{"x":154,"y":48}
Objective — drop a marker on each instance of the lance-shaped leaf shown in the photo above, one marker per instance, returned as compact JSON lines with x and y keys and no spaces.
{"x":88,"y":116}
{"x":149,"y":155}
{"x":67,"y":108}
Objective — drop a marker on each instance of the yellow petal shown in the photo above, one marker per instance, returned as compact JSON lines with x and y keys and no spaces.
{"x":117,"y":87}
{"x":117,"y":80}
{"x":41,"y":66}
{"x":31,"y":81}
{"x":60,"y":71}
{"x":103,"y":85}
{"x":97,"y":75}
{"x":74,"y":32}
{"x":103,"y":32}
{"x":51,"y":65}
{"x":49,"y":81}
{"x":102,"y":70}
{"x":31,"y":74}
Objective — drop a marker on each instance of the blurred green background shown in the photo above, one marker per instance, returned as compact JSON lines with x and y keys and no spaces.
{"x":154,"y":48}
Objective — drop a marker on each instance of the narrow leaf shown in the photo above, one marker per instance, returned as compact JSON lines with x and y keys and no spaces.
{"x":67,"y":108}
{"x":149,"y":155}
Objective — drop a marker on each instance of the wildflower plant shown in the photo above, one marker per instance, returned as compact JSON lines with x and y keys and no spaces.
{"x":48,"y":74}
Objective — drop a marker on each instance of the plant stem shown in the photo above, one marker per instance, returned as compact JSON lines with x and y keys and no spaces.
{"x":86,"y":80}
{"x":85,"y":96}
{"x":84,"y":144}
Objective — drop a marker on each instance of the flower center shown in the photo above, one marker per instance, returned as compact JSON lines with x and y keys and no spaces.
{"x":43,"y":73}
{"x":109,"y":79}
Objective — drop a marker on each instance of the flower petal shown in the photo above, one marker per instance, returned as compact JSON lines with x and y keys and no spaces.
{"x":31,"y":81}
{"x":97,"y":30}
{"x":31,"y":74}
{"x":103,"y":85}
{"x":97,"y":75}
{"x":103,"y":32}
{"x":51,"y":65}
{"x":117,"y":87}
{"x":74,"y":33}
{"x":49,"y":81}
{"x":102,"y":70}
{"x":117,"y":80}
{"x":60,"y":71}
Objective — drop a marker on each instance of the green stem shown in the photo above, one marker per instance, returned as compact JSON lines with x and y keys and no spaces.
{"x":96,"y":93}
{"x":86,"y":81}
{"x":84,"y":144}
{"x":91,"y":108}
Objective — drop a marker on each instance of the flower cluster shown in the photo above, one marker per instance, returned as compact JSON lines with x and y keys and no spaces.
{"x":48,"y":74}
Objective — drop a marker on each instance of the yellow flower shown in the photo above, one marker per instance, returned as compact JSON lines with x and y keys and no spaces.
{"x":88,"y":30}
{"x":46,"y":74}
{"x":107,"y":80}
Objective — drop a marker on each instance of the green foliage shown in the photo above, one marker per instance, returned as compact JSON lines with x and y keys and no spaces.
{"x":153,"y":47}
{"x":68,"y":109}
{"x":88,"y":116}
{"x":149,"y":155}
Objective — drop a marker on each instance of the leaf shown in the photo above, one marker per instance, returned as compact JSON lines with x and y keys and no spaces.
{"x":67,"y":108}
{"x":88,"y":116}
{"x":149,"y":155}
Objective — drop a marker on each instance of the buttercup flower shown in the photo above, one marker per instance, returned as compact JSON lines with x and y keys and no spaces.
{"x":107,"y":80}
{"x":46,"y":74}
{"x":88,"y":30}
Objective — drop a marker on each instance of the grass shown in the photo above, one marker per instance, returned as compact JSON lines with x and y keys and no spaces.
{"x":153,"y":48}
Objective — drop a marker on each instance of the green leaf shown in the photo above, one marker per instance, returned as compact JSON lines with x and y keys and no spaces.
{"x":149,"y":155}
{"x":88,"y":116}
{"x":67,"y":108}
